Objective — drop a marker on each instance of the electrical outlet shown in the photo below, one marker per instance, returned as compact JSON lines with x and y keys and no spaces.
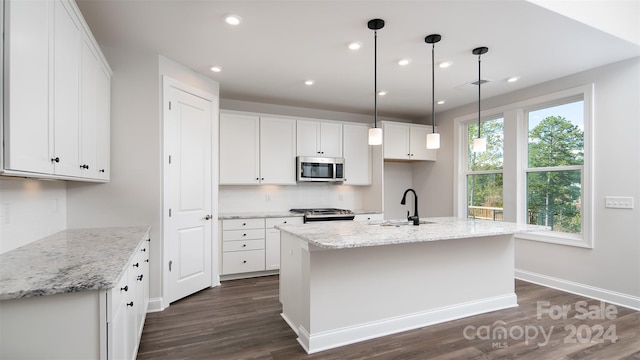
{"x":618,"y":202}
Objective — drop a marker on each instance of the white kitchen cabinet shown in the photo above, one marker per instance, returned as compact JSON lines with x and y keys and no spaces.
{"x":357,"y":154}
{"x":277,"y":151}
{"x":257,"y":150}
{"x":402,"y":141}
{"x":252,"y":245}
{"x":95,"y":113}
{"x":272,"y":239}
{"x":319,"y":138}
{"x":239,"y":149}
{"x":43,"y":132}
{"x":242,"y":246}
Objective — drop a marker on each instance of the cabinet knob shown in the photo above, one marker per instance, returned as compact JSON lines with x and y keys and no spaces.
{"x":140,"y":277}
{"x":285,"y":221}
{"x":244,"y":245}
{"x":84,"y":166}
{"x":143,"y":249}
{"x":101,"y":170}
{"x":244,"y":261}
{"x":130,"y":304}
{"x":136,"y":265}
{"x":257,"y":178}
{"x":244,"y":234}
{"x":244,"y":224}
{"x":55,"y":159}
{"x":208,"y":217}
{"x":125,"y":288}
{"x":261,"y":178}
{"x":146,"y":260}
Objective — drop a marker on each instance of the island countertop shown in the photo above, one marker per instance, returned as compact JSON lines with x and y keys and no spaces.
{"x":71,"y":260}
{"x":353,"y":234}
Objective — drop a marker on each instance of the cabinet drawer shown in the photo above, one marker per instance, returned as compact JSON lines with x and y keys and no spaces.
{"x":249,"y":234}
{"x":243,"y":245}
{"x":236,"y":224}
{"x":242,"y":261}
{"x":271,"y":222}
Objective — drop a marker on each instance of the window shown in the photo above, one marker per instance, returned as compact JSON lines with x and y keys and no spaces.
{"x":554,"y":172}
{"x":484,"y":171}
{"x":536,"y":169}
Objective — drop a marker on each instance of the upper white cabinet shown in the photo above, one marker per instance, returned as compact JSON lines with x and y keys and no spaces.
{"x":357,"y":154}
{"x":403,"y":141}
{"x":257,"y":150}
{"x":239,"y":149}
{"x":319,"y":138}
{"x":277,"y":151}
{"x":57,"y":87}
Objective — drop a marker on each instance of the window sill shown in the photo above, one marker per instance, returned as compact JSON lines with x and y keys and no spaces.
{"x":558,"y":238}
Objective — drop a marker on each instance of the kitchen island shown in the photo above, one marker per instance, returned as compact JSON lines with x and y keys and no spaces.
{"x":343,"y":282}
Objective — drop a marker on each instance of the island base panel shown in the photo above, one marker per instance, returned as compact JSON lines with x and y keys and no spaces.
{"x":335,"y":297}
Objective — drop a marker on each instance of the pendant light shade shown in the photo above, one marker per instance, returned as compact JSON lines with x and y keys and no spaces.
{"x":479,"y":144}
{"x":375,"y":134}
{"x":433,"y":139}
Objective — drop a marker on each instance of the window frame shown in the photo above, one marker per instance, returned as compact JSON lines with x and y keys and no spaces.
{"x":515,"y":163}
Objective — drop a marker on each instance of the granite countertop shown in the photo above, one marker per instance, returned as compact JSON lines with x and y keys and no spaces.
{"x":277,"y":214}
{"x":71,"y":260}
{"x":352,"y":234}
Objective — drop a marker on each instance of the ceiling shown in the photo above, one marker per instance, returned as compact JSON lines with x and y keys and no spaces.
{"x":280,"y":44}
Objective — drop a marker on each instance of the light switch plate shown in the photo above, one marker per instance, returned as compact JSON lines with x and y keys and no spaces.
{"x":618,"y":202}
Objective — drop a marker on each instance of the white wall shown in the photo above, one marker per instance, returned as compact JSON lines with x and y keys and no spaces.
{"x":612,"y":269}
{"x":398,"y":177}
{"x":30,"y":210}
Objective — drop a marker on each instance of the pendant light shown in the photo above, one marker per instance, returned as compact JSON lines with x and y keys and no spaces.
{"x":375,"y":134}
{"x":433,"y":139}
{"x":479,"y":144}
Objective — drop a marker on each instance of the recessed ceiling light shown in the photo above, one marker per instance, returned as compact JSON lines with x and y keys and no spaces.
{"x":233,"y":19}
{"x":216,"y":68}
{"x":440,"y":102}
{"x":513,"y":79}
{"x":445,"y":64}
{"x":382,"y":92}
{"x":404,"y":62}
{"x":309,"y":82}
{"x":356,"y":45}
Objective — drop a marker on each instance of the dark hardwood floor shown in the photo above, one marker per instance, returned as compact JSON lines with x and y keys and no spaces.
{"x":241,"y":320}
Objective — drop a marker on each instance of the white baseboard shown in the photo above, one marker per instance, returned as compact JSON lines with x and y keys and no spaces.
{"x":616,"y":298}
{"x":344,"y":336}
{"x":155,"y":305}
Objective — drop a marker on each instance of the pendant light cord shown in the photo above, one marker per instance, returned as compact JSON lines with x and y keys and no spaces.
{"x":479,"y":86}
{"x":433,"y":89}
{"x":375,"y":79}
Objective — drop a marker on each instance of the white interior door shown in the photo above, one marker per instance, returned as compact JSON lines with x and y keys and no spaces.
{"x":188,"y":194}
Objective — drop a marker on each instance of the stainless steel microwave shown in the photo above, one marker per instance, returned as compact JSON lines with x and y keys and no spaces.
{"x":320,"y":169}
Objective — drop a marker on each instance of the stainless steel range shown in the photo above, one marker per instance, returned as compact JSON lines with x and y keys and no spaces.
{"x":324,"y":214}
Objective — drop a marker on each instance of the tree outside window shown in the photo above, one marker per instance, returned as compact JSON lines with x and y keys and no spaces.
{"x":484,"y":171}
{"x":555,"y":167}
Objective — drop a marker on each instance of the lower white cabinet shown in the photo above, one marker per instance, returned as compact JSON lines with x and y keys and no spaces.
{"x":91,"y":324}
{"x":252,"y":245}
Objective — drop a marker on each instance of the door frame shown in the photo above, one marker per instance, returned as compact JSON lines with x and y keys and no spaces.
{"x":167,"y":83}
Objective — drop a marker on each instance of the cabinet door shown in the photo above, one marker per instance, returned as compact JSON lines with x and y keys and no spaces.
{"x":418,"y":144}
{"x":103,"y":108}
{"x":88,"y":111}
{"x":28,"y":143}
{"x":272,"y":249}
{"x":357,"y":155}
{"x":239,"y":149}
{"x":66,"y":90}
{"x":331,"y":139}
{"x":308,"y":138}
{"x":277,"y":151}
{"x":396,"y":141}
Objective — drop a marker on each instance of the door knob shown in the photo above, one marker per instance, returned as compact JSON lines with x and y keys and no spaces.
{"x":208,"y":217}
